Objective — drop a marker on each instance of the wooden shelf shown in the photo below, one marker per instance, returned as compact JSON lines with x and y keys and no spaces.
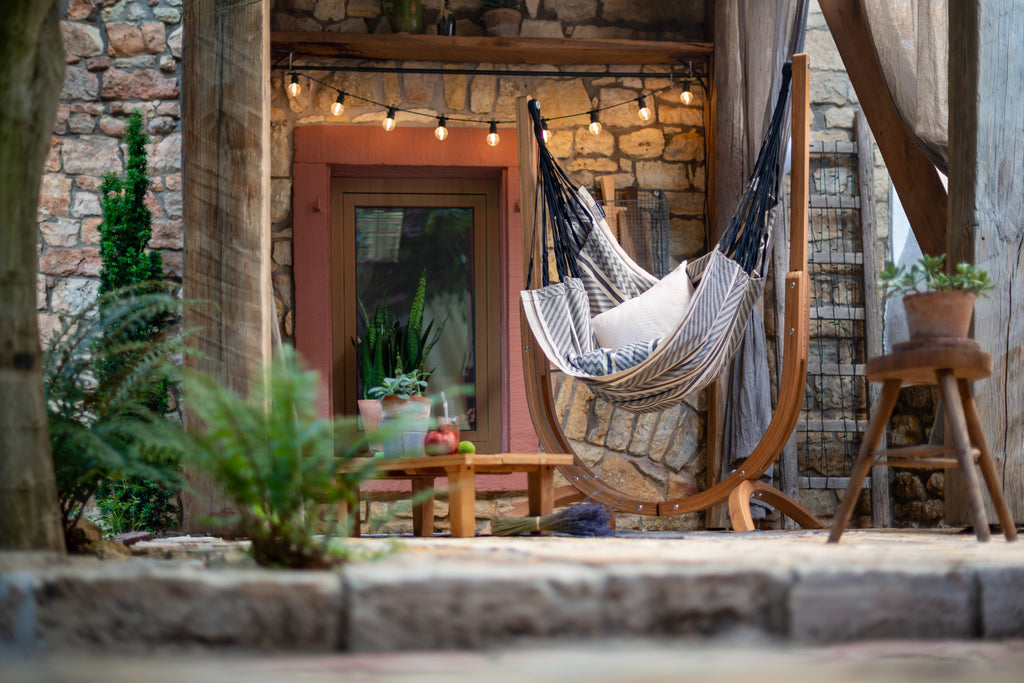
{"x":485,"y":49}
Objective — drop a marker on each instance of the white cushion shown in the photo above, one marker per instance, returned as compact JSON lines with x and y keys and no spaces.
{"x":651,"y":315}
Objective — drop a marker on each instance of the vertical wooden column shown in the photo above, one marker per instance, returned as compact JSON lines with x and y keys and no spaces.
{"x":986,"y":216}
{"x":226,"y":149}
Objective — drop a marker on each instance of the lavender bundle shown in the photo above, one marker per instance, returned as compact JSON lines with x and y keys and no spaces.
{"x":585,"y":519}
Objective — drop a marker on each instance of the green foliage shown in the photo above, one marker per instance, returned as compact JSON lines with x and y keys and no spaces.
{"x":389,"y":348}
{"x":402,"y":386}
{"x":124,"y":237}
{"x":105,"y":428}
{"x":136,"y":504}
{"x":277,"y":459}
{"x":486,"y":5}
{"x":927,"y":275}
{"x":127,"y":221}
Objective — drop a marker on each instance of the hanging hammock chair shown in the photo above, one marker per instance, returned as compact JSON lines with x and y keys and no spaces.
{"x":701,"y":308}
{"x":596,"y":277}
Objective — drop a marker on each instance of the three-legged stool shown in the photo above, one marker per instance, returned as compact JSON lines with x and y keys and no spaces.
{"x":951,"y":367}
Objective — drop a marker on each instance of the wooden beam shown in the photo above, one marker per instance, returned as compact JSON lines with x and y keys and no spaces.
{"x":226,"y":150}
{"x":477,"y":49}
{"x":986,"y":183}
{"x":916,"y":179}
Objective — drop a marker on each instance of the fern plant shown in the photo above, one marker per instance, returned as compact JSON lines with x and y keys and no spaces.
{"x":107,"y":429}
{"x":277,"y":459}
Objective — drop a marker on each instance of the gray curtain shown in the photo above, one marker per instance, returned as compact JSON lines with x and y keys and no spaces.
{"x":748,"y":65}
{"x":911,"y":39}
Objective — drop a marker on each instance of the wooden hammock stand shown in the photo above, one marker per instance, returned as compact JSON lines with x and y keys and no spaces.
{"x":742,"y":483}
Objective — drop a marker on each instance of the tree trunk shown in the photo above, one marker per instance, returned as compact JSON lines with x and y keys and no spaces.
{"x":31,"y":71}
{"x":226,"y":121}
{"x":986,"y":219}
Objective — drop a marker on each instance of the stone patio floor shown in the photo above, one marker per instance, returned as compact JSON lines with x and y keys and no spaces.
{"x":713,"y":602}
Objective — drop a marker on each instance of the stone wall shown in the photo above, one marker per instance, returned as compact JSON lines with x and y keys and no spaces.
{"x":121,"y":56}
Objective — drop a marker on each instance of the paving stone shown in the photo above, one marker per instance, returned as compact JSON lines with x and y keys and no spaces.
{"x":847,"y":605}
{"x":468,"y":606}
{"x":100,"y":607}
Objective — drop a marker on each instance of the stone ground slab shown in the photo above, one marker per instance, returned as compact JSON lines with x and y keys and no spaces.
{"x":489,"y":593}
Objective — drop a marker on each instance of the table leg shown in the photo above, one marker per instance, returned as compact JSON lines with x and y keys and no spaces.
{"x":423,"y":506}
{"x":348,"y":513}
{"x":861,"y":467}
{"x":954,"y":410}
{"x":462,"y":501}
{"x":987,"y":462}
{"x":540,"y":491}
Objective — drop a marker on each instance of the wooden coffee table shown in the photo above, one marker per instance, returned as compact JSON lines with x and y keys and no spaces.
{"x":461,"y":470}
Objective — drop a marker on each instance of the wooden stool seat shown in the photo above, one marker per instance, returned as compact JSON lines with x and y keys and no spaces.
{"x":950,"y":365}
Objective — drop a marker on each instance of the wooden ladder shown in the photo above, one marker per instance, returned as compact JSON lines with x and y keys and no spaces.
{"x":826,"y":265}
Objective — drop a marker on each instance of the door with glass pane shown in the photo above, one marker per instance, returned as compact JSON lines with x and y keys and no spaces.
{"x":386,"y":234}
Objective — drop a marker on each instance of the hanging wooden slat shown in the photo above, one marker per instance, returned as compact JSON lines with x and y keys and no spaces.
{"x":478,"y":49}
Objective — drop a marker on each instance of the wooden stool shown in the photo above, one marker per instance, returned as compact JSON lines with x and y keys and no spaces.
{"x":951,"y":365}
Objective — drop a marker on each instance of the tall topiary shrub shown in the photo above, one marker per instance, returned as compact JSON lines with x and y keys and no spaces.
{"x":133,"y":504}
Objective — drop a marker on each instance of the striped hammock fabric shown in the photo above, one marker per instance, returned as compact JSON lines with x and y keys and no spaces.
{"x":640,"y":378}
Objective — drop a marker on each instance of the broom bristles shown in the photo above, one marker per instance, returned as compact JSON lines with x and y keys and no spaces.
{"x":586,"y":519}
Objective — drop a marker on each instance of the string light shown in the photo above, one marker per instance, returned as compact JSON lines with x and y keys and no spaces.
{"x":686,"y":97}
{"x":644,"y":112}
{"x":339,"y":104}
{"x":293,"y":87}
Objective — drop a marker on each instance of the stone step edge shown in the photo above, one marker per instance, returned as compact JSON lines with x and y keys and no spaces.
{"x":142,"y":606}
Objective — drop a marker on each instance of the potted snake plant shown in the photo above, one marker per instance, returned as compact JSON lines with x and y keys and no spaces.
{"x":390,"y":352}
{"x":937,"y":304}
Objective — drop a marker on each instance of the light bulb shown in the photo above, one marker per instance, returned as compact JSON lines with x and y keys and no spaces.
{"x":686,"y":97}
{"x":389,"y":122}
{"x":595,"y":125}
{"x":440,"y":132}
{"x":645,"y":111}
{"x":293,"y":87}
{"x":492,"y":135}
{"x":545,"y":133}
{"x":339,"y":105}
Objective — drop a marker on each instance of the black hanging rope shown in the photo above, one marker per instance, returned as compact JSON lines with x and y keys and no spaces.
{"x":745,"y":240}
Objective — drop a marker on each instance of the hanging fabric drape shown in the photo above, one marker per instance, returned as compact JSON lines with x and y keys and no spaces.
{"x":747,"y":76}
{"x":911,"y":39}
{"x":597,"y":276}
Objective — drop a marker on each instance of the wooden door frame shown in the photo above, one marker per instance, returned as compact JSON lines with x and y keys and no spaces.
{"x":323,"y":151}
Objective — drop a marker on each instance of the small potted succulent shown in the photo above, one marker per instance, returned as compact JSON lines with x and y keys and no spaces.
{"x":401,"y":398}
{"x":938,"y":304}
{"x":502,"y":17}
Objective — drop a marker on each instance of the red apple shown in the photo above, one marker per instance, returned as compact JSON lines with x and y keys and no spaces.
{"x":440,"y":442}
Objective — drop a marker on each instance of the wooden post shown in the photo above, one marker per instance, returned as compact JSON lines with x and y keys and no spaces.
{"x":226,"y":149}
{"x":881,"y":515}
{"x":986,"y":216}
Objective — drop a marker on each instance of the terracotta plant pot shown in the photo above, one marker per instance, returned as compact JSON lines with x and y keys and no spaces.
{"x":503,"y":22}
{"x":932,"y":315}
{"x":414,"y":412}
{"x":370,"y":412}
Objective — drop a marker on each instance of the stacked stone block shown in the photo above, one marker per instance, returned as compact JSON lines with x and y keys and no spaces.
{"x":120,"y":56}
